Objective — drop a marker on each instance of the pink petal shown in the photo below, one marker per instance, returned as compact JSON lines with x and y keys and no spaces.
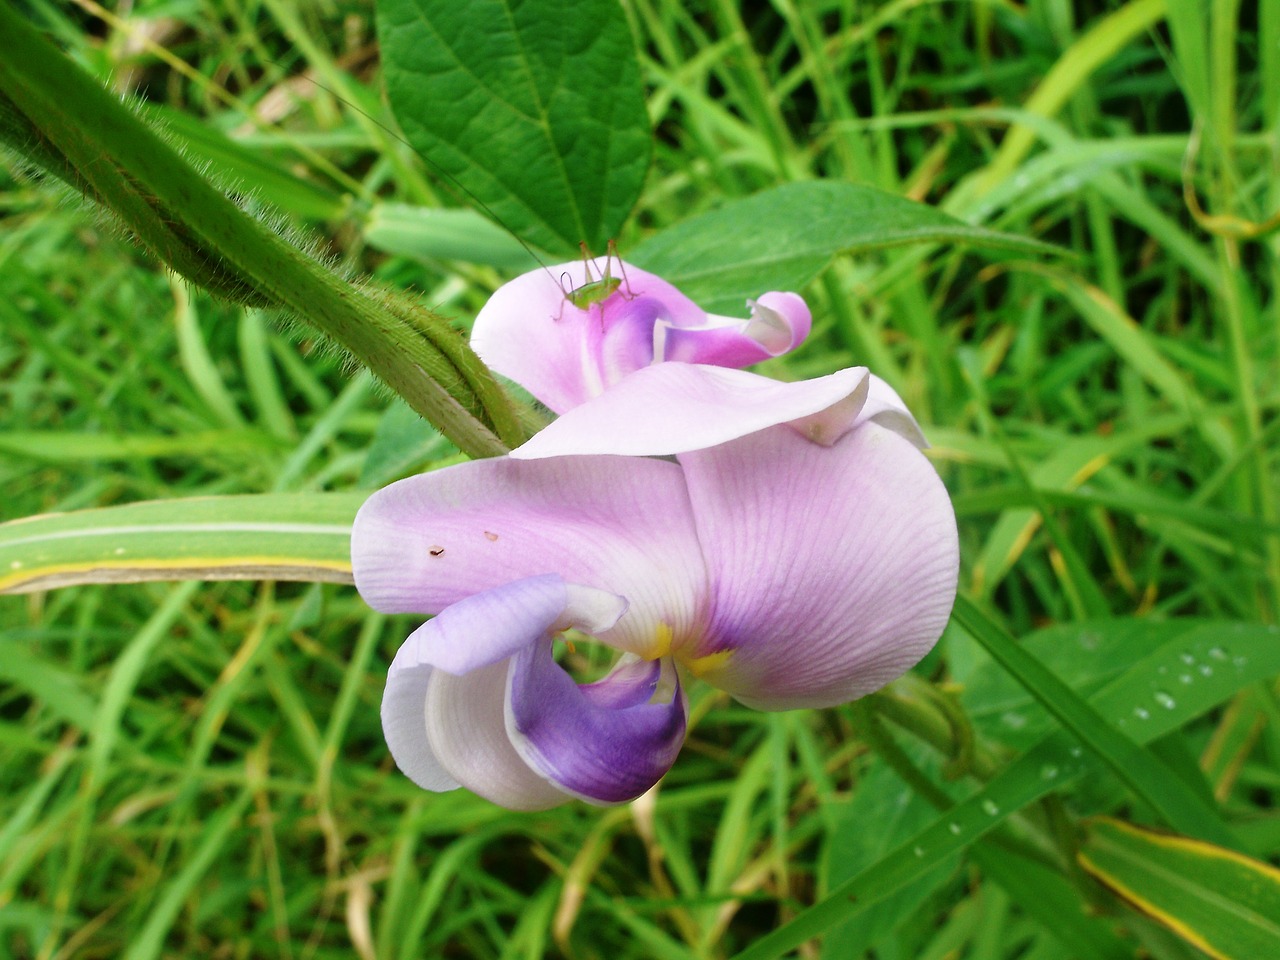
{"x":834,"y":568}
{"x":676,"y":407}
{"x":619,"y":526}
{"x":531,"y":333}
{"x":886,"y":408}
{"x":779,"y":322}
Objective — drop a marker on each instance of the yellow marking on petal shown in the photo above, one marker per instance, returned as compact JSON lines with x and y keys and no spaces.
{"x":701,"y":666}
{"x":662,"y":640}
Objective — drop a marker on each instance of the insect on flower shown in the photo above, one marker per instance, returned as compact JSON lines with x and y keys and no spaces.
{"x":596,"y":291}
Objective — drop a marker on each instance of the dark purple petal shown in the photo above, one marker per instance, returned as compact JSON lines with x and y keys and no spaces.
{"x":834,"y":568}
{"x":631,"y":682}
{"x":600,"y":744}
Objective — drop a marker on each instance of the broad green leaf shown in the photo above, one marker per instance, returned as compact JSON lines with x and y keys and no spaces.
{"x":1239,"y":652}
{"x":66,"y":445}
{"x":250,"y":537}
{"x":780,"y":239}
{"x":1086,"y":656}
{"x":1226,"y":904}
{"x":534,"y":109}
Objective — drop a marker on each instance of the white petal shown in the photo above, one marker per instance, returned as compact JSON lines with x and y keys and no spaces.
{"x":467,"y":731}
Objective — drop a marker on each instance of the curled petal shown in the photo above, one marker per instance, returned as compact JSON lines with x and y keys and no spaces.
{"x":606,"y":743}
{"x":779,"y":322}
{"x":886,"y":408}
{"x":834,"y":568}
{"x":676,"y":407}
{"x":404,"y":727}
{"x":467,"y":733}
{"x":423,"y":709}
{"x":475,"y":632}
{"x":492,"y":625}
{"x":620,"y":526}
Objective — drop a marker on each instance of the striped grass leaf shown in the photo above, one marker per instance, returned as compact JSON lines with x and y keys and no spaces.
{"x":1226,"y":904}
{"x":249,"y":537}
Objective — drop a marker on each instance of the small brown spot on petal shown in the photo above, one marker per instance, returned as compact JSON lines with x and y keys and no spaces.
{"x":436,"y":551}
{"x":488,"y":535}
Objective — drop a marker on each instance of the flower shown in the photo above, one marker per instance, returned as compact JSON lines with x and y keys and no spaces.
{"x":532,"y":332}
{"x":799,"y":551}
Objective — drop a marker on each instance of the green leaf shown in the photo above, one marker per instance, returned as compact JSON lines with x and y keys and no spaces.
{"x":1086,"y":655}
{"x":535,"y":109}
{"x":1225,"y":904}
{"x":250,"y":537}
{"x":403,"y":443}
{"x":1237,"y":655}
{"x":780,"y":239}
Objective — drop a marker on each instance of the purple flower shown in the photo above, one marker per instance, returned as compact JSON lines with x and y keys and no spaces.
{"x":798,"y":551}
{"x":531,"y":332}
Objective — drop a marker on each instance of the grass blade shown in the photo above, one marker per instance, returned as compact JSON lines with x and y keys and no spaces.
{"x":1142,"y":772}
{"x":249,"y":537}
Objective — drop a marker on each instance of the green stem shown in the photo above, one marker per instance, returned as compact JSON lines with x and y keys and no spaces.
{"x":206,"y":237}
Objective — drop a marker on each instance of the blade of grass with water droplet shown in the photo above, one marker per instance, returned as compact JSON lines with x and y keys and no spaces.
{"x":1144,"y":774}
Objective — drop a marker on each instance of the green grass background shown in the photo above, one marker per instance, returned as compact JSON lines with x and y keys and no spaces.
{"x":196,"y":770}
